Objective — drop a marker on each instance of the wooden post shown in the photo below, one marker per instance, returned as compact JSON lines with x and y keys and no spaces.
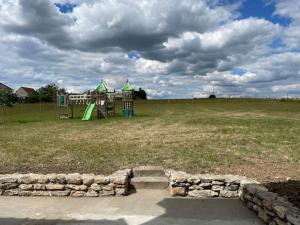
{"x":72,"y":111}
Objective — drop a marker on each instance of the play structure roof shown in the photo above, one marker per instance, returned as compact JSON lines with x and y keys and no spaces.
{"x":127,"y":87}
{"x":101,"y":87}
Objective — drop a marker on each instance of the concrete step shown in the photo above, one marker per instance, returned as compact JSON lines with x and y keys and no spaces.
{"x":149,"y":182}
{"x":148,"y":171}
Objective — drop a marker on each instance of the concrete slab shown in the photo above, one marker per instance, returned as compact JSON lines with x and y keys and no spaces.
{"x":146,"y":207}
{"x":149,"y":171}
{"x":150,"y":182}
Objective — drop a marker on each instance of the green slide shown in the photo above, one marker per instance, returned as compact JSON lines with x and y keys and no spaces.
{"x":89,"y":111}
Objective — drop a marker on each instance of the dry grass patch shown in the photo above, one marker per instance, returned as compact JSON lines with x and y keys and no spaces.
{"x":197,"y":136}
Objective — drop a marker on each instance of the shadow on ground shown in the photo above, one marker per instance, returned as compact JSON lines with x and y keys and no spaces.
{"x":288,"y":189}
{"x":177,"y":211}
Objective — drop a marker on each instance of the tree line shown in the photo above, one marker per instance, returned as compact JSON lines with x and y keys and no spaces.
{"x":43,"y":94}
{"x":46,"y":94}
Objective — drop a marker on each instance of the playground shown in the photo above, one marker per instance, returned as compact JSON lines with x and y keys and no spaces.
{"x":100,"y":100}
{"x":239,"y":136}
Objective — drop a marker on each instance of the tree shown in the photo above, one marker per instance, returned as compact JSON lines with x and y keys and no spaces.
{"x":32,"y":97}
{"x":212,"y":96}
{"x":140,"y":94}
{"x":48,"y":93}
{"x":7,"y":98}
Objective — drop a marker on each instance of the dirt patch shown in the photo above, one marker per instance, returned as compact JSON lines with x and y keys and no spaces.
{"x":264,"y":172}
{"x":282,"y":178}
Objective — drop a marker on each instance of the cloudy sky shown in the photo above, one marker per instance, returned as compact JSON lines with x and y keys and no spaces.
{"x":171,"y":48}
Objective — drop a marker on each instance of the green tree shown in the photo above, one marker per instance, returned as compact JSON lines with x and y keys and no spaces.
{"x":140,"y":94}
{"x":7,"y":98}
{"x":48,"y":93}
{"x":32,"y":97}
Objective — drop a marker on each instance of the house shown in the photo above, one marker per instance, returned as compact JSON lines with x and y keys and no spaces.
{"x":4,"y":87}
{"x":23,"y":92}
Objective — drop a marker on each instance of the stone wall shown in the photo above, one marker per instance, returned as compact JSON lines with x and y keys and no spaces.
{"x":204,"y":185}
{"x":76,"y":185}
{"x":271,"y":208}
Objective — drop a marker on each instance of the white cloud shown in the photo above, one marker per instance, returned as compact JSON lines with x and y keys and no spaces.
{"x":290,"y":9}
{"x":145,"y":66}
{"x":182,"y":47}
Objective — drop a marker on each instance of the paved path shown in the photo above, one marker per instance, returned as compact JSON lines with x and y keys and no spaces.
{"x":147,"y":207}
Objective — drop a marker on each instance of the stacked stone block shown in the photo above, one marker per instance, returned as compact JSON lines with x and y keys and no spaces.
{"x":271,"y":208}
{"x":75,"y":185}
{"x":204,"y":185}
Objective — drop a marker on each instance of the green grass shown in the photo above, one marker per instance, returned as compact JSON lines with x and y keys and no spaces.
{"x":224,"y":136}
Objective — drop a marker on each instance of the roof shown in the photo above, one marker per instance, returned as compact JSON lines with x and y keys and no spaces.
{"x":4,"y":86}
{"x":101,"y":87}
{"x":127,"y":87}
{"x":28,"y":90}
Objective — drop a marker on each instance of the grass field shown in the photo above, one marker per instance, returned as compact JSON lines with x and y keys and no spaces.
{"x":257,"y":138}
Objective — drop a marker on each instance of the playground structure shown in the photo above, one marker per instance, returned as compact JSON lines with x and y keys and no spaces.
{"x":127,"y":98}
{"x":101,"y":99}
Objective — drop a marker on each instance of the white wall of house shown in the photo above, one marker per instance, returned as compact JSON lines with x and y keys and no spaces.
{"x":21,"y":93}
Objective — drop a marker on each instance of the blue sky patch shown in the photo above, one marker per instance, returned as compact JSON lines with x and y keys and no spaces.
{"x":295,"y":50}
{"x":259,"y":9}
{"x":238,"y":71}
{"x":65,"y":8}
{"x":133,"y":55}
{"x":277,"y":43}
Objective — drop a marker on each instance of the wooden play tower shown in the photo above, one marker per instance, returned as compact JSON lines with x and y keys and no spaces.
{"x":127,"y":98}
{"x":105,"y":101}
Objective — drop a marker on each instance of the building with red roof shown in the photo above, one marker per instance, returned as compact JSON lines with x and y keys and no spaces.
{"x":23,"y":92}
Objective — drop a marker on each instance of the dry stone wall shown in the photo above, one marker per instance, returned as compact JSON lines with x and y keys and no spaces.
{"x":271,"y":208}
{"x":205,"y":185}
{"x":75,"y":185}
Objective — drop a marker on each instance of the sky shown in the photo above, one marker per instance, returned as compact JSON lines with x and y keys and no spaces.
{"x":170,"y":48}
